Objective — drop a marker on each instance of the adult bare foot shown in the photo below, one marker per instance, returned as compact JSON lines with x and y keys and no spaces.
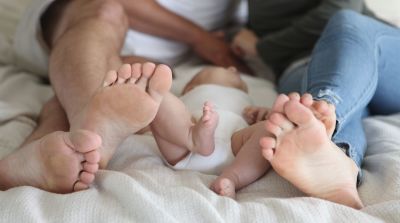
{"x":59,"y":162}
{"x":127,"y":102}
{"x":302,"y":153}
{"x":203,"y":131}
{"x":323,"y":111}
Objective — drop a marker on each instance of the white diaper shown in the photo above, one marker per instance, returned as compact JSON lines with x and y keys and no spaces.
{"x":229,"y":104}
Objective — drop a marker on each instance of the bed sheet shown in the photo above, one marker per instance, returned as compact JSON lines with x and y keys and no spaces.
{"x":138,"y":187}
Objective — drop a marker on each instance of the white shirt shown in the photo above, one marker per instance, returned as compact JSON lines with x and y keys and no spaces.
{"x":209,"y":14}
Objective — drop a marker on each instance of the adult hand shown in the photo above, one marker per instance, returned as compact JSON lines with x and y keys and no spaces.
{"x":215,"y":50}
{"x":244,"y":43}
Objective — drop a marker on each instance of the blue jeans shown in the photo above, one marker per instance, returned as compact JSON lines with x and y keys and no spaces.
{"x":356,"y":67}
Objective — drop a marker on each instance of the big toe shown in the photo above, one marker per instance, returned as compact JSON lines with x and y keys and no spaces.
{"x":83,"y":141}
{"x":279,"y":103}
{"x":160,"y":82}
{"x":298,"y":113}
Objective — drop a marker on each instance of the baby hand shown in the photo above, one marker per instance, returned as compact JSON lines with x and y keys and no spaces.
{"x":254,"y":114}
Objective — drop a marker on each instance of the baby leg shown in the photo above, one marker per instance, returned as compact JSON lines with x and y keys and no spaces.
{"x":177,"y":133}
{"x":248,"y":165}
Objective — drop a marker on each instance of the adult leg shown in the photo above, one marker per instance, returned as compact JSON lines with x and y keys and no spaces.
{"x":345,"y":71}
{"x":51,"y":159}
{"x":85,"y":40}
{"x":351,"y":65}
{"x":85,"y":43}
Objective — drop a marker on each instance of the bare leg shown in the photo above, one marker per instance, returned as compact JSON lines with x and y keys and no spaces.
{"x":248,"y":166}
{"x":177,"y":133}
{"x":128,"y":102}
{"x":302,"y":153}
{"x":52,"y":160}
{"x":86,"y":42}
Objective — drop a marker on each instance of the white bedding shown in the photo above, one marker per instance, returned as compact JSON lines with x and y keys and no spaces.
{"x":138,"y":187}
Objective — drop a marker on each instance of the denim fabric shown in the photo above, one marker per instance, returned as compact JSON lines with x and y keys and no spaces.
{"x":355,"y":66}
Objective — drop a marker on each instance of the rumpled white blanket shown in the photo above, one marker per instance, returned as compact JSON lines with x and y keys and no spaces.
{"x":138,"y":187}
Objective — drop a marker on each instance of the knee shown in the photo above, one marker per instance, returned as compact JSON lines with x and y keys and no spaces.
{"x":348,"y":19}
{"x":347,"y":24}
{"x":112,"y":12}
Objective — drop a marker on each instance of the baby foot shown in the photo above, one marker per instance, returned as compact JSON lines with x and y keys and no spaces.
{"x":224,"y":187}
{"x":203,"y":131}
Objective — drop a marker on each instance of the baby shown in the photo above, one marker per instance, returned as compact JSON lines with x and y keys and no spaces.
{"x":213,"y":138}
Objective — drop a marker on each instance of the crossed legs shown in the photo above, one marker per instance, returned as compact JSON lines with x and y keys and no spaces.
{"x":85,"y":38}
{"x":52,"y":159}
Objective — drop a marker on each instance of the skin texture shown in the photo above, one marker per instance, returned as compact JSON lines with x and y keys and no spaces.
{"x":301,"y":151}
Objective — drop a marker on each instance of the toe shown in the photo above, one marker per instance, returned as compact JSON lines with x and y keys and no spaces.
{"x":279,"y":103}
{"x":78,"y":186}
{"x":83,"y":141}
{"x":321,"y":107}
{"x":268,"y":154}
{"x":281,"y":121}
{"x":267,"y":142}
{"x":160,"y":82}
{"x":92,"y":157}
{"x":110,"y":78}
{"x":124,"y":73}
{"x":298,"y":113}
{"x":90,"y":167}
{"x":147,"y":72}
{"x":294,"y":96}
{"x":148,"y":69}
{"x":273,"y":128}
{"x":136,"y":72}
{"x":227,"y":188}
{"x":267,"y":147}
{"x":307,"y":100}
{"x":86,"y":178}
